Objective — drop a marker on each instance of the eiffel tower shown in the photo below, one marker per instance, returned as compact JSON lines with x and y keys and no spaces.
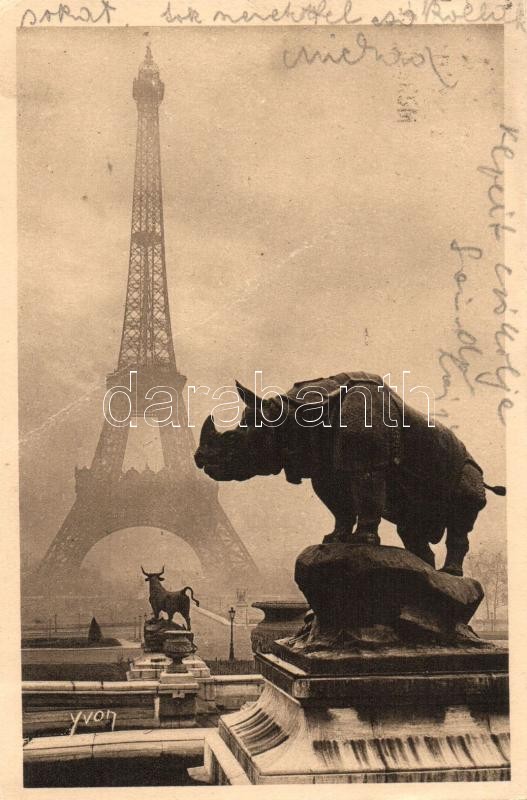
{"x":177,"y":498}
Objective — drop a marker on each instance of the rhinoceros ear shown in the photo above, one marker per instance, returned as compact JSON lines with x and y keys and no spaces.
{"x":208,"y":431}
{"x":249,"y":398}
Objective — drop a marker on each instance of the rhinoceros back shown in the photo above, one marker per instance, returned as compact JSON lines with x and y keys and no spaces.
{"x":432,"y":455}
{"x":312,"y":449}
{"x":427,"y":459}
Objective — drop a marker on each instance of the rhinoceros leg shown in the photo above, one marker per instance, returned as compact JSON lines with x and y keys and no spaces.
{"x":416,"y":544}
{"x":467,"y":503}
{"x":369,"y":492}
{"x":456,"y":548}
{"x":337,"y":496}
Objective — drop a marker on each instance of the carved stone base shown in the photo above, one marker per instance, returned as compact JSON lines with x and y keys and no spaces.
{"x":393,"y":726}
{"x":385,"y":682}
{"x":148,"y":667}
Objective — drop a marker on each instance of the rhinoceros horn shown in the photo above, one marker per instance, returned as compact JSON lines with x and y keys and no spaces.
{"x":249,"y":398}
{"x":208,"y":431}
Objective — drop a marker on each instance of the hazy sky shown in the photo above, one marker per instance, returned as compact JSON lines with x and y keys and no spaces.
{"x":307,"y":232}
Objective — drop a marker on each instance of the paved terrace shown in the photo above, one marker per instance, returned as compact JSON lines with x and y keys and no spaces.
{"x":192,"y":746}
{"x":211,"y":632}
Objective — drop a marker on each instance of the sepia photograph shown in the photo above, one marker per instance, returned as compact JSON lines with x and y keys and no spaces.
{"x":265,"y":370}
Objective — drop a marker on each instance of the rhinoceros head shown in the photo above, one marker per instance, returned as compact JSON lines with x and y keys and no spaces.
{"x":249,"y":449}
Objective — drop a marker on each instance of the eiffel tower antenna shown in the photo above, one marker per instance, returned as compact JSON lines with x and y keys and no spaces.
{"x":179,"y":499}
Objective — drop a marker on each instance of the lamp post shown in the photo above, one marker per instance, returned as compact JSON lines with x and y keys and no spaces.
{"x":232,"y":614}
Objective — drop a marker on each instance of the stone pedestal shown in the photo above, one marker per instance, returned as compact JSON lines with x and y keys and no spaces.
{"x":157,"y":665}
{"x":148,"y":667}
{"x":206,"y":686}
{"x":196,"y":666}
{"x":177,"y":687}
{"x":385,"y":682}
{"x":382,"y":722}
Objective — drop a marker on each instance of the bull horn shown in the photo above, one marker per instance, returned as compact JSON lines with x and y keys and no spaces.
{"x":249,"y":398}
{"x":162,"y":570}
{"x":208,"y":431}
{"x":142,"y":570}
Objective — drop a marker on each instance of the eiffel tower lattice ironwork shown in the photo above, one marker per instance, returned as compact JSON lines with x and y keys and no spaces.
{"x":178,"y":498}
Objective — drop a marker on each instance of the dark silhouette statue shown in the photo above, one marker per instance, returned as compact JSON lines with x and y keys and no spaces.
{"x":169,"y":602}
{"x":368,"y":455}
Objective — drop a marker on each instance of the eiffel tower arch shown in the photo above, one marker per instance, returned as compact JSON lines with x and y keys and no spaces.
{"x":178,"y":498}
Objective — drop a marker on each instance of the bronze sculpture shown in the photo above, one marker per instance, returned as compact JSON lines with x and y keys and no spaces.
{"x":417,"y":476}
{"x":170,"y":602}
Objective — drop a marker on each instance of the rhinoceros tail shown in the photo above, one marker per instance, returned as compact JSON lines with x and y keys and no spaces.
{"x":501,"y":490}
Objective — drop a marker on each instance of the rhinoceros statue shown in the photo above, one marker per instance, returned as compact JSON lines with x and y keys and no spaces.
{"x":369,"y":456}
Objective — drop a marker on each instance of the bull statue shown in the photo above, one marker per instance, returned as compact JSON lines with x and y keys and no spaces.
{"x":369,"y":456}
{"x":170,"y":602}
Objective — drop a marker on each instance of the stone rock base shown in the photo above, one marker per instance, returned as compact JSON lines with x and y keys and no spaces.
{"x":381,"y":728}
{"x":371,"y":597}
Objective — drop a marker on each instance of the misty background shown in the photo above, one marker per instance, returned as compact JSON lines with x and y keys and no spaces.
{"x":307,"y":231}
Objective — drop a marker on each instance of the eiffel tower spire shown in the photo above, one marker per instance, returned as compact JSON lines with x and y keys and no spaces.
{"x":178,"y":499}
{"x":147,"y":333}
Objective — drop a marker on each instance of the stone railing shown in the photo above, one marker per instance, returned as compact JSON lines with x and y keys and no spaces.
{"x":54,"y":705}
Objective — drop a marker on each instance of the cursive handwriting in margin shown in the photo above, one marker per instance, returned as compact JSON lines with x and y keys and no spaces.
{"x":467,"y":344}
{"x":509,"y":12}
{"x":63,"y":12}
{"x":309,"y":13}
{"x":390,"y":58}
{"x":506,"y":13}
{"x":505,"y":333}
{"x":496,"y":190}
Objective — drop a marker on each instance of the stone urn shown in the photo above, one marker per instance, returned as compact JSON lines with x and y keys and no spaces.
{"x":282,"y":618}
{"x":177,"y":645}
